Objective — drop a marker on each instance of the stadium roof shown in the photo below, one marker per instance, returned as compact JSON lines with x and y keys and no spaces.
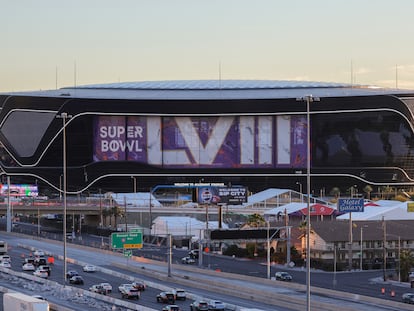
{"x":214,"y":89}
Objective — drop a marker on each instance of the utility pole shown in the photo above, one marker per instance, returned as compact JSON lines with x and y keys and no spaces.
{"x":384,"y":250}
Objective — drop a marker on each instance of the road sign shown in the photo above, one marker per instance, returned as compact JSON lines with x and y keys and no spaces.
{"x":127,"y":253}
{"x":126,"y":240}
{"x":351,"y":205}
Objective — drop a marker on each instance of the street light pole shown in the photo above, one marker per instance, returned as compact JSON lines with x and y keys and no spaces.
{"x":268,"y":250}
{"x":360,"y":258}
{"x":308,"y":99}
{"x":64,"y":116}
{"x":300,"y":190}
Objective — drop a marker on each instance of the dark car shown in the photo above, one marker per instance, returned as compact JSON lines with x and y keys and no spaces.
{"x":283,"y":276}
{"x":194,"y":253}
{"x":166,"y":297}
{"x":77,"y":279}
{"x":141,"y":286}
{"x":199,"y":305}
{"x":39,"y":261}
{"x":71,"y":273}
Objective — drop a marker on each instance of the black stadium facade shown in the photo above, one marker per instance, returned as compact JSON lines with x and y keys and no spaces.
{"x":250,"y":133}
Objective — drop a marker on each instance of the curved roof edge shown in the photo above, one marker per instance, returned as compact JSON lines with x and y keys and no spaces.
{"x":214,"y":85}
{"x":214,"y":89}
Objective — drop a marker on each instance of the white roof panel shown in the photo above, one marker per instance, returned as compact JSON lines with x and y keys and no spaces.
{"x":213,"y":89}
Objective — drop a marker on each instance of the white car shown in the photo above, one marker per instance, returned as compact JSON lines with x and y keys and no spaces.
{"x":41,"y":274}
{"x":5,"y":258}
{"x":89,"y":268}
{"x":179,"y":294}
{"x":107,"y":286}
{"x":125,"y":286}
{"x":5,"y":264}
{"x":216,"y":305}
{"x":28,"y":267}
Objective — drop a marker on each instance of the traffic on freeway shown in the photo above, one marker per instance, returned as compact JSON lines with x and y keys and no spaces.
{"x":120,"y":273}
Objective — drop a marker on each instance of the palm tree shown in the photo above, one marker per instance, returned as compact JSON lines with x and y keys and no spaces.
{"x":256,"y":221}
{"x":368,"y":189}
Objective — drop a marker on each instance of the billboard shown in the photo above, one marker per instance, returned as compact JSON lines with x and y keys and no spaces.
{"x":19,"y":190}
{"x":222,"y":195}
{"x":203,"y":142}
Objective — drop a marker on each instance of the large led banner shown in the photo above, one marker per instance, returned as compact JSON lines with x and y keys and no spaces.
{"x":205,"y":142}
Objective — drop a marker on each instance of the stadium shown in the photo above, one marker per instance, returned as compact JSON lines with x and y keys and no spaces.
{"x":251,"y":133}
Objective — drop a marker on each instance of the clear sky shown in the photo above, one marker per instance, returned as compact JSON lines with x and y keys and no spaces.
{"x":49,"y":43}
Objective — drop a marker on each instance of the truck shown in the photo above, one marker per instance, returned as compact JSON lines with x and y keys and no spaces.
{"x":22,"y":302}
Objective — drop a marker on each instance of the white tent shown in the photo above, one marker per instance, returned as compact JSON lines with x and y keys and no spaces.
{"x":138,"y":199}
{"x":182,"y":226}
{"x":289,"y":208}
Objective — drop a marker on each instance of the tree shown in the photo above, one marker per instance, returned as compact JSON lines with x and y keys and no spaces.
{"x":335,"y":191}
{"x":406,"y":263}
{"x":368,"y":189}
{"x":256,"y":220}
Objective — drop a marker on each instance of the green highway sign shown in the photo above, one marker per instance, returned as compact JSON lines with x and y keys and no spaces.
{"x":126,"y":240}
{"x":127,"y":253}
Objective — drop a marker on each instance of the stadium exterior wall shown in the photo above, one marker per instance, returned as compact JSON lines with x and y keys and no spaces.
{"x":254,"y":136}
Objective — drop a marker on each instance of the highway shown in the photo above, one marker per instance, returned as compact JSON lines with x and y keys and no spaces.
{"x":236,"y":290}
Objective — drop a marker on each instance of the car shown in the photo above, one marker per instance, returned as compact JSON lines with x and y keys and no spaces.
{"x":39,"y":253}
{"x":129,"y":292}
{"x":28,"y":267}
{"x":41,"y":273}
{"x":38,"y":261}
{"x":408,"y":298}
{"x":194,"y":253}
{"x":5,"y":258}
{"x":71,"y":273}
{"x":123,"y":286}
{"x":70,"y":236}
{"x":140,"y":285}
{"x":180,"y":294}
{"x":171,"y":308}
{"x":5,"y":264}
{"x":187,"y":260}
{"x":89,"y":268}
{"x":46,"y":268}
{"x":216,"y":305}
{"x":99,"y":289}
{"x":199,"y":305}
{"x":166,"y":297}
{"x":107,"y":286}
{"x":283,"y":276}
{"x":29,"y":260}
{"x":76,"y":279}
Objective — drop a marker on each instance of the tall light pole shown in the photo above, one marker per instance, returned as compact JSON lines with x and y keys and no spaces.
{"x":300,"y":190}
{"x":135,"y":189}
{"x":64,"y":116}
{"x":308,"y":99}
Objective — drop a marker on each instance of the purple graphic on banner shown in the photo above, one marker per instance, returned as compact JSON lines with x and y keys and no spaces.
{"x":188,"y":142}
{"x":299,"y":141}
{"x":136,"y":138}
{"x":109,"y":138}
